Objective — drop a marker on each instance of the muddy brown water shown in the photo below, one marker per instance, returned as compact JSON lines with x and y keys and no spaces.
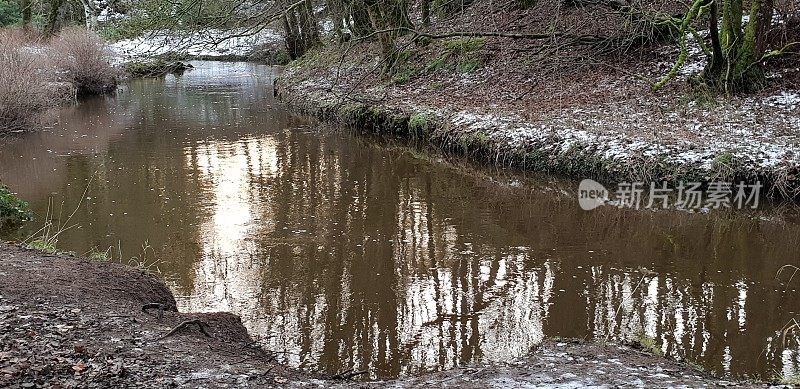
{"x":341,"y":252}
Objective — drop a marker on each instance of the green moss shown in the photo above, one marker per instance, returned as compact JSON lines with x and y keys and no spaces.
{"x":13,"y":210}
{"x":403,"y":77}
{"x":406,"y":55}
{"x":482,"y":138}
{"x":282,"y":57}
{"x":648,"y":344}
{"x":457,"y":56}
{"x":423,"y":41}
{"x":10,"y":13}
{"x":468,"y":66}
{"x":418,"y":123}
{"x":441,"y":63}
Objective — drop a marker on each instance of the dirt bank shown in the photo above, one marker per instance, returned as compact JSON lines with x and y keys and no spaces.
{"x":579,"y":112}
{"x":68,"y":322}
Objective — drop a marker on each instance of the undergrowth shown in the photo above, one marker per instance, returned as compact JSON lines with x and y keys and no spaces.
{"x":13,"y":210}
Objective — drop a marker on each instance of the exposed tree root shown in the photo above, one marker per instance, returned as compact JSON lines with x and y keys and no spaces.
{"x":184,"y":325}
{"x":349,"y":374}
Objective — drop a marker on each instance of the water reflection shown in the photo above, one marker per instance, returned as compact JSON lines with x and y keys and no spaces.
{"x":339,"y":253}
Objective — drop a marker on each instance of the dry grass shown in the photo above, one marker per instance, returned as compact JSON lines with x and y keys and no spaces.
{"x":26,"y":82}
{"x":84,"y":60}
{"x":35,"y":77}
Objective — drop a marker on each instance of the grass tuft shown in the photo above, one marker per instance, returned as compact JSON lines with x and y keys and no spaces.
{"x":44,"y":245}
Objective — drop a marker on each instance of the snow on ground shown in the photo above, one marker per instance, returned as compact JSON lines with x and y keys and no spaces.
{"x":787,"y":99}
{"x":563,"y":364}
{"x":761,"y":134}
{"x":207,"y":43}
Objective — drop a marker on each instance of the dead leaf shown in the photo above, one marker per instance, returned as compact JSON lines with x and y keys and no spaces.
{"x":79,"y":367}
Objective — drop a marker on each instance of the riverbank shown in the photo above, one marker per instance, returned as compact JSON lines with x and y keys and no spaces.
{"x":72,"y":322}
{"x":583,"y":113}
{"x":69,"y":322}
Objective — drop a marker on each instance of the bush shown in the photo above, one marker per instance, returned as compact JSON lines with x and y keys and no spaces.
{"x":9,"y":13}
{"x":12,"y":209}
{"x":84,"y":60}
{"x":28,"y":86}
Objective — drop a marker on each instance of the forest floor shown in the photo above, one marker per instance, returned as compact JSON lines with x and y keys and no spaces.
{"x":75,"y":323}
{"x":576,"y":111}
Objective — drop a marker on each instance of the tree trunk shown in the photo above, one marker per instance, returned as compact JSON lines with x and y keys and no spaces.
{"x":735,"y":65}
{"x":380,"y":21}
{"x":27,"y":13}
{"x":714,"y":66}
{"x":426,"y":12}
{"x":301,"y":29}
{"x":398,"y":13}
{"x":293,"y":43}
{"x":764,"y":23}
{"x":52,"y":17}
{"x":309,"y":30}
{"x":91,"y":11}
{"x":361,"y":24}
{"x":337,"y":12}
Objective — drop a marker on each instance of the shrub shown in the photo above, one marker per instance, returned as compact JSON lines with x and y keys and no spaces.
{"x":28,"y":87}
{"x":9,"y":13}
{"x":12,"y":209}
{"x":84,"y":60}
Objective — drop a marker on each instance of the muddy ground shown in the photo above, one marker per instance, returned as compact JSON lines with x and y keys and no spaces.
{"x":75,"y":323}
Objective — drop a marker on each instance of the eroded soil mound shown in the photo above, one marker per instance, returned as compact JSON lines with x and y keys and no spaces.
{"x":68,"y":322}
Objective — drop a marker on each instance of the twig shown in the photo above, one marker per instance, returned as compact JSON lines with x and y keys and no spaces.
{"x":349,"y":374}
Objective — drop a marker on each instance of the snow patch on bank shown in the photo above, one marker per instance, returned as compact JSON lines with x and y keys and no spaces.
{"x":787,"y":99}
{"x":206,"y":43}
{"x":760,"y":140}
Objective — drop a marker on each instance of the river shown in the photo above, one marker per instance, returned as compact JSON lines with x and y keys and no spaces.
{"x":344,"y":252}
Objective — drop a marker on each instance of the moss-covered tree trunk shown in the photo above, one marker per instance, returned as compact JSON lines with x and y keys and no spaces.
{"x":381,"y":21}
{"x":735,"y":65}
{"x":391,"y":18}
